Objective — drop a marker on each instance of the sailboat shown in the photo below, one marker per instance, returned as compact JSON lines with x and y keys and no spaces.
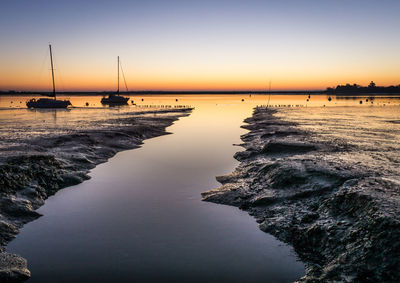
{"x":49,"y":102}
{"x":115,"y":99}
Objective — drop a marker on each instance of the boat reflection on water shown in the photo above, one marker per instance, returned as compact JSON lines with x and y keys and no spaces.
{"x":116,"y":99}
{"x":49,"y":102}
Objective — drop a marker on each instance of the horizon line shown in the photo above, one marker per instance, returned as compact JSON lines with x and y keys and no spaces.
{"x":168,"y":91}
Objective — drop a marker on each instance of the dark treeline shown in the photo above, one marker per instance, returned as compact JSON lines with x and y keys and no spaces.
{"x":357,"y":89}
{"x":348,"y":89}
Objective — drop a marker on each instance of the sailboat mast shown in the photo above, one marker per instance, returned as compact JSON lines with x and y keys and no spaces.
{"x":52,"y":72}
{"x":118,"y":76}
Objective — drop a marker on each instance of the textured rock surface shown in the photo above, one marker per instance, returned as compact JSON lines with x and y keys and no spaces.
{"x":34,"y":169}
{"x":341,"y":215}
{"x":13,"y":268}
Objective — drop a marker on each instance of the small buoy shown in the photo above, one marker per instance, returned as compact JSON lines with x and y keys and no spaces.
{"x":142,"y":99}
{"x":360,"y":101}
{"x":242,"y":99}
{"x":366,"y":100}
{"x":308,"y":99}
{"x":329,"y":98}
{"x":176,"y":99}
{"x":309,"y":96}
{"x":87,"y":103}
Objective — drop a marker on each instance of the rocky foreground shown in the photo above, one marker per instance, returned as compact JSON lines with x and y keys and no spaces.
{"x":34,"y":169}
{"x":341,"y":214}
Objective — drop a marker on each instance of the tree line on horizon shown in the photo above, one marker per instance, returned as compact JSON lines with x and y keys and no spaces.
{"x":371,"y":88}
{"x":339,"y":89}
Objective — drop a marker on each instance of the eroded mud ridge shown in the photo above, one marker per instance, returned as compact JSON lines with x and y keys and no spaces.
{"x":33,"y":169}
{"x":337,"y":202}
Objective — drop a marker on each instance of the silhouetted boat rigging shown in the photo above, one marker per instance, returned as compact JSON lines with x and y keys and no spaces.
{"x":49,"y":102}
{"x":116,"y":99}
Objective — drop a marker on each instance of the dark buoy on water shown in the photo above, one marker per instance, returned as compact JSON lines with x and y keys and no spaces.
{"x":87,"y":103}
{"x":142,"y":99}
{"x":329,"y":98}
{"x":176,"y":99}
{"x":309,"y":96}
{"x":242,"y":99}
{"x":360,"y":101}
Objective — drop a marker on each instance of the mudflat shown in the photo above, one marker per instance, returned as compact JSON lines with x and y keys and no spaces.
{"x":36,"y":163}
{"x":327,"y":183}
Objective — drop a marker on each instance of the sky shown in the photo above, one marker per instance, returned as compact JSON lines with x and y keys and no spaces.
{"x":199,"y":45}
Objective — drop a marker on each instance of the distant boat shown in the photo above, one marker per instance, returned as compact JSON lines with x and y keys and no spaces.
{"x":115,"y":99}
{"x":49,"y":102}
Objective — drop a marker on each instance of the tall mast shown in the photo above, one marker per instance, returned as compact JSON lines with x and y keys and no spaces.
{"x":52,"y":72}
{"x":118,"y":76}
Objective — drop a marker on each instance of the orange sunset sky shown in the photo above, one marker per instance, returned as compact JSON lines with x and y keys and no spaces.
{"x":199,"y":45}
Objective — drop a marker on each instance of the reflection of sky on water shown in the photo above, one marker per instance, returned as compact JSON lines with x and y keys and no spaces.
{"x":16,"y":123}
{"x":140,"y":216}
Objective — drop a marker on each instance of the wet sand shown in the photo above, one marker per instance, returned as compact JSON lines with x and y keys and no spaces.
{"x":140,"y":217}
{"x":36,"y":163}
{"x":325,"y":181}
{"x":274,"y":150}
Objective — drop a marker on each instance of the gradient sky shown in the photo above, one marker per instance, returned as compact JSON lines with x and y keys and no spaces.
{"x":176,"y":45}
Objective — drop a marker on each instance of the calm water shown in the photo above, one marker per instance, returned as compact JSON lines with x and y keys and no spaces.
{"x":140,"y":217}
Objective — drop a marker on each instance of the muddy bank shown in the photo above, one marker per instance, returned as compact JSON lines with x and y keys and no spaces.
{"x":337,"y":202}
{"x":37,"y":166}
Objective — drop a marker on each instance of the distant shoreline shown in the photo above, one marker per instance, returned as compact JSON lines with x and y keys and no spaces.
{"x":371,"y":89}
{"x":97,"y":93}
{"x":297,"y":92}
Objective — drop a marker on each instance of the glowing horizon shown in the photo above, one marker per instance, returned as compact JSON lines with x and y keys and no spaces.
{"x":208,"y":45}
